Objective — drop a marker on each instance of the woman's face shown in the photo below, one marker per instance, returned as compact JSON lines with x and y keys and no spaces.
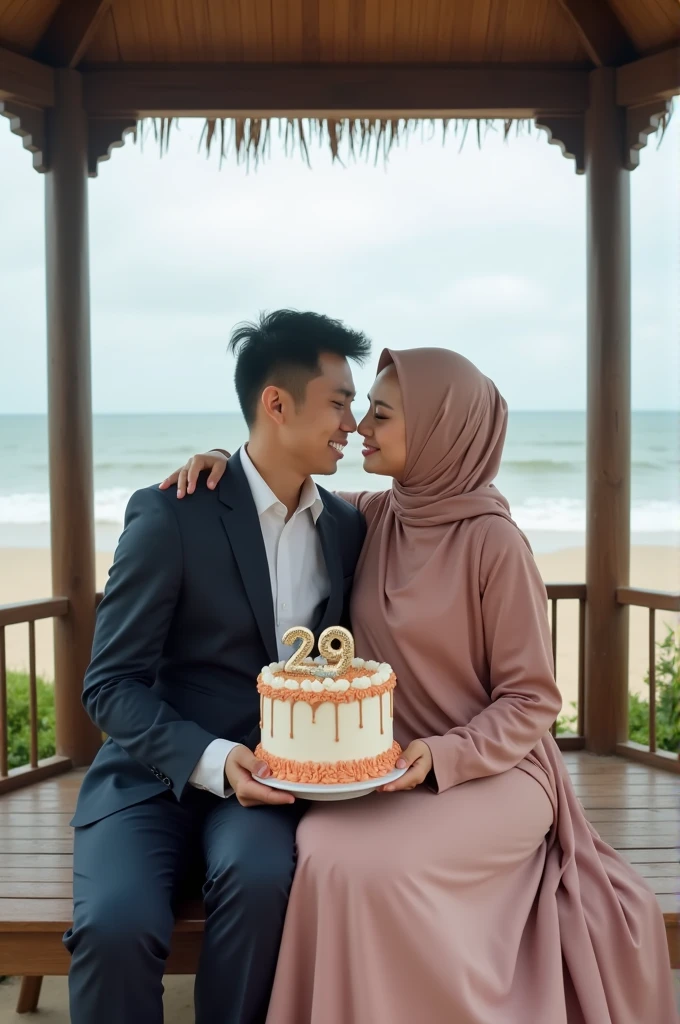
{"x":384,"y":427}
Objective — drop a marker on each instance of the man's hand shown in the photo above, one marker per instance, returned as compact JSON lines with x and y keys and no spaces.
{"x":186,"y":478}
{"x":239,"y":768}
{"x":418,"y":759}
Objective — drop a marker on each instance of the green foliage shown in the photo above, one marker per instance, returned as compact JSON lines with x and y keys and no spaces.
{"x":18,"y":719}
{"x":667,"y":701}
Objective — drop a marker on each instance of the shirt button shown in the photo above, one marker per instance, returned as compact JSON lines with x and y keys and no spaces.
{"x":283,"y":605}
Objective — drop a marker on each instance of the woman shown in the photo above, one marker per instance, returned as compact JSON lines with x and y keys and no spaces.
{"x":473,"y":890}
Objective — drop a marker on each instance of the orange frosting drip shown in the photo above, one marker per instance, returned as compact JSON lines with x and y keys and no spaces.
{"x":329,"y":774}
{"x":325,"y":696}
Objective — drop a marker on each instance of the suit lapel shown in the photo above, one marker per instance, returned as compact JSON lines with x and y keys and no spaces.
{"x":328,"y":534}
{"x":242,"y":525}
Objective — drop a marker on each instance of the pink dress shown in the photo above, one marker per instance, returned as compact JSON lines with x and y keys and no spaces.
{"x":490,"y":900}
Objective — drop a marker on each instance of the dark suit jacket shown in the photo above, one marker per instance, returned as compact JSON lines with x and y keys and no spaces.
{"x":185,"y":625}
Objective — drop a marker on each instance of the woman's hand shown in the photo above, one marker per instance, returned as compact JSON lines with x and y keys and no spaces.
{"x":418,"y":759}
{"x":186,"y":478}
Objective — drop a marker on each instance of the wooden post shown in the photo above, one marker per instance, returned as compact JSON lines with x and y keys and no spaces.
{"x":70,"y":412}
{"x":608,"y":418}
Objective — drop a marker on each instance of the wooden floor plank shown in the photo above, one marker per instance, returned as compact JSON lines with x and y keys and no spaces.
{"x":633,"y":807}
{"x":30,"y":873}
{"x":37,"y":861}
{"x":622,"y":842}
{"x":663,"y":884}
{"x":36,"y":890}
{"x":41,"y":819}
{"x":638,"y":814}
{"x":594,"y":803}
{"x":30,"y":846}
{"x":644,"y":855}
{"x":31,"y":832}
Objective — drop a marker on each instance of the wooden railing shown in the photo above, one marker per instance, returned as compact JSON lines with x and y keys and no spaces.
{"x":28,"y":612}
{"x":654,"y":601}
{"x":570,"y":592}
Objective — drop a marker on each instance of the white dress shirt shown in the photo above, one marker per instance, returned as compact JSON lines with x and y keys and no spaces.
{"x":299,"y":584}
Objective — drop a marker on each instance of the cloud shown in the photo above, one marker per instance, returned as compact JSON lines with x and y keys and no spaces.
{"x":479,"y":250}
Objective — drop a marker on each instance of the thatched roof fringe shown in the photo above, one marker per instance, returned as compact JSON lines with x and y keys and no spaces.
{"x":348,"y":139}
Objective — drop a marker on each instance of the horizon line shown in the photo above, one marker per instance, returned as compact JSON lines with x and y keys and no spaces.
{"x":237,"y":412}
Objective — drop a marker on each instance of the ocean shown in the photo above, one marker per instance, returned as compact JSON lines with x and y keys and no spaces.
{"x":543,"y":472}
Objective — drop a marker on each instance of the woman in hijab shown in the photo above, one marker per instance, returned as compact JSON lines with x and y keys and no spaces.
{"x":472,"y":890}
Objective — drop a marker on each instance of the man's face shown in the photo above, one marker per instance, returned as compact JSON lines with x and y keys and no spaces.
{"x":314,"y":433}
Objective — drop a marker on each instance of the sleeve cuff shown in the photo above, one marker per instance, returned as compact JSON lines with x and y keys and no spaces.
{"x":443,"y":772}
{"x":209,"y":772}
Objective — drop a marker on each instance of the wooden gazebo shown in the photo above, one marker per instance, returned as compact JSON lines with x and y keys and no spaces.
{"x":77,"y":75}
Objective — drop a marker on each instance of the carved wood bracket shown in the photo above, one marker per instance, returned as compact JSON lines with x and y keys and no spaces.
{"x":641,"y":122}
{"x":569,"y":133}
{"x":29,"y":124}
{"x":105,"y":134}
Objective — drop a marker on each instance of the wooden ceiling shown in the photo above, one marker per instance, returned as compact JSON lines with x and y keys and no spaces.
{"x":578,"y":33}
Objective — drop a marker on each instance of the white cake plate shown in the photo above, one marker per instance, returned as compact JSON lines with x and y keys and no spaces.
{"x":339,"y":791}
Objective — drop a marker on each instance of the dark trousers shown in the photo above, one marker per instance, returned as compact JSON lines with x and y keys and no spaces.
{"x":128,"y":870}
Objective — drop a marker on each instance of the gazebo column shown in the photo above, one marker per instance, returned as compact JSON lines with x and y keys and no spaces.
{"x":608,"y":417}
{"x":70,"y":411}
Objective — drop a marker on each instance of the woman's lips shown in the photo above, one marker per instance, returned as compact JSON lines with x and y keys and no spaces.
{"x":369,"y":450}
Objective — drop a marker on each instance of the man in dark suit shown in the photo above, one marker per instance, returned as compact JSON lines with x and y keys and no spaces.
{"x":198,"y":597}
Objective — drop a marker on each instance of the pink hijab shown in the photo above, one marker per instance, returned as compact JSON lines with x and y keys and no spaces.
{"x":456,"y":421}
{"x":420,"y":576}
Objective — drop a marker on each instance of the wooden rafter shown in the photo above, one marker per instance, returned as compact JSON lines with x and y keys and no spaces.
{"x":604,"y":37}
{"x":25,"y":80}
{"x":70,"y":32}
{"x":332,"y":90}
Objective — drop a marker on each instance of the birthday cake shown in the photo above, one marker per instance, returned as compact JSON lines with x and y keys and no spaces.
{"x":327,"y":720}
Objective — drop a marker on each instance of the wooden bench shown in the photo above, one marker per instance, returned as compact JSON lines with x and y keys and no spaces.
{"x":634,"y":808}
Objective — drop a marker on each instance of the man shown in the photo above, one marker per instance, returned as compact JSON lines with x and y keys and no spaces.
{"x":197,"y":600}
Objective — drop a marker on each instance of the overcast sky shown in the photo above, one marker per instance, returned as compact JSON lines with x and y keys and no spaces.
{"x":479,"y":251}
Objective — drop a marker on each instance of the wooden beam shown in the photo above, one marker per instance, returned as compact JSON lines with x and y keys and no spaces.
{"x":29,"y":124}
{"x":604,"y":37}
{"x":70,"y":32}
{"x":608,"y":418}
{"x":260,"y":90}
{"x":651,"y":78}
{"x":25,"y":80}
{"x":69,"y":403}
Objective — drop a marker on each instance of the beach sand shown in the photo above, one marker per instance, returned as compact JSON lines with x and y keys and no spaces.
{"x":25,"y":576}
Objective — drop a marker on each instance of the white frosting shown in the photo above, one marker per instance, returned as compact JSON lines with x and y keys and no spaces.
{"x":338,"y":685}
{"x":328,"y":684}
{"x":315,"y":740}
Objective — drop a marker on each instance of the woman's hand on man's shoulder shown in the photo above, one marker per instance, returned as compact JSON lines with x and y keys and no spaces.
{"x":186,"y":477}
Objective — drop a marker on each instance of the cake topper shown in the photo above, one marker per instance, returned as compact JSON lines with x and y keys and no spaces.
{"x":338,"y":658}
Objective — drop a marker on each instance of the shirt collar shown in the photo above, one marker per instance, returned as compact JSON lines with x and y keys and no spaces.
{"x":264,"y":497}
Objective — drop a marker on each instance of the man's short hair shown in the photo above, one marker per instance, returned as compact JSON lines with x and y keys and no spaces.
{"x":283,"y":348}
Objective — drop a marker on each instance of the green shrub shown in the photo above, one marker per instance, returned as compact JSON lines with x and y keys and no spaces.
{"x":18,"y":733}
{"x":667,"y":701}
